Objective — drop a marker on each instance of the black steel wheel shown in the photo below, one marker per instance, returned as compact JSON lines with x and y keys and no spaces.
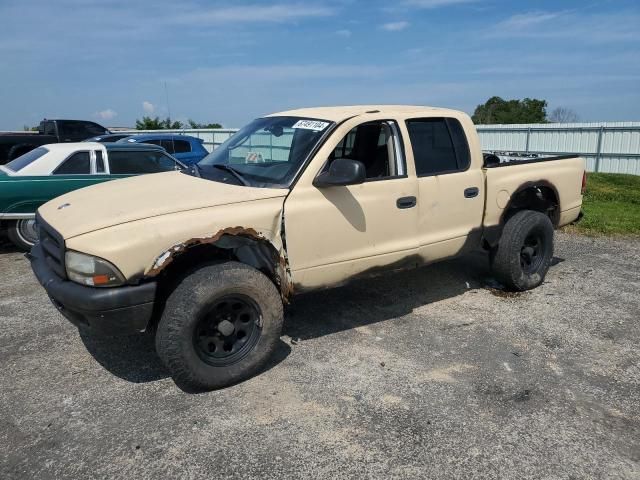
{"x":532,"y":253}
{"x":228,"y":330}
{"x":220,"y":325}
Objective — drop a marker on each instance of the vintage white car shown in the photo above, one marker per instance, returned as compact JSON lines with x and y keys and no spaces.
{"x":48,"y":160}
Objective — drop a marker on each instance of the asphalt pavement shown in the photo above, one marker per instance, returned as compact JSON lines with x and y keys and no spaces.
{"x":433,"y":373}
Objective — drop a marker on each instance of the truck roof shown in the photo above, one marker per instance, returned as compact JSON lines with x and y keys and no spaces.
{"x":340,"y":113}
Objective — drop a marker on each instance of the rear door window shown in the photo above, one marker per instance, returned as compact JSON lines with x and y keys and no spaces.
{"x":439,"y":146}
{"x":28,"y":158}
{"x":139,"y":162}
{"x":181,"y":146}
{"x":49,"y":128}
{"x":74,"y":128}
{"x":77,"y":164}
{"x":167,"y":145}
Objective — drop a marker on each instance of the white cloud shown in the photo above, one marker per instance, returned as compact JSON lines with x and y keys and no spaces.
{"x":524,"y":20}
{"x":344,"y":33}
{"x":107,"y":114}
{"x":570,"y":25}
{"x":435,"y":3}
{"x":148,"y":107}
{"x":277,"y":13}
{"x":394,"y":26}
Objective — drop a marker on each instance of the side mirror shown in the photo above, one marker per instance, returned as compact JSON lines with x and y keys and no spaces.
{"x":342,"y":171}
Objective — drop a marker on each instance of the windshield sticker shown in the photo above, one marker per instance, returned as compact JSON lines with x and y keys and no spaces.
{"x":311,"y":125}
{"x":254,"y":157}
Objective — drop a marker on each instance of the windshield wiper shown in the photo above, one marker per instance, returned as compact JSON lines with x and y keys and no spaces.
{"x":233,"y":171}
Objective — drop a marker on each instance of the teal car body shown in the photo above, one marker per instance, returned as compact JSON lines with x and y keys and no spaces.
{"x":21,"y":196}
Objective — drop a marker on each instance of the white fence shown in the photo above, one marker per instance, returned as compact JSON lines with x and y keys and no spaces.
{"x":612,"y":147}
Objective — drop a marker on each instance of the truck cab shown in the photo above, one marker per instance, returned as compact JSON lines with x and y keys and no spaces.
{"x":15,"y":144}
{"x":70,"y":130}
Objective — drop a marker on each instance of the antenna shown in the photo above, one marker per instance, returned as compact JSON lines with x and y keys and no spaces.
{"x":166,"y":94}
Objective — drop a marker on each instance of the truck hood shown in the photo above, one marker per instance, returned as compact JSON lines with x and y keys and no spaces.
{"x":135,"y":198}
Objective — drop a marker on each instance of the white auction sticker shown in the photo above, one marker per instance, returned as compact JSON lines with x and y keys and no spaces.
{"x":311,"y":125}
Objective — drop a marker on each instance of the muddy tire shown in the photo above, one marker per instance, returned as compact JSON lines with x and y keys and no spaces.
{"x":22,"y":233}
{"x":523,"y":256}
{"x":219,"y":326}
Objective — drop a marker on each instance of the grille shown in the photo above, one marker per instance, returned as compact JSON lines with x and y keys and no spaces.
{"x":52,"y":246}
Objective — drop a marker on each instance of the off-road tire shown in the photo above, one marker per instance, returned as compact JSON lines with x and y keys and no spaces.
{"x":18,"y":237}
{"x":509,"y":259}
{"x":189,"y":303}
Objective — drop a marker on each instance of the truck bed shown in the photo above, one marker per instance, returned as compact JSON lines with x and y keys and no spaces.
{"x":560,"y":176}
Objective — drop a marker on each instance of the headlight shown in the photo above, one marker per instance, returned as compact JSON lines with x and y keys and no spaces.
{"x":93,"y":271}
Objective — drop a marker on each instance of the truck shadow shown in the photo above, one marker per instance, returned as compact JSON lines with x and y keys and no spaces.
{"x":367,"y":302}
{"x":316,"y":314}
{"x":134,"y":359}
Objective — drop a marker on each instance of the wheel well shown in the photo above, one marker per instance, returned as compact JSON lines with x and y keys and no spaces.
{"x":540,"y":198}
{"x":255,"y":252}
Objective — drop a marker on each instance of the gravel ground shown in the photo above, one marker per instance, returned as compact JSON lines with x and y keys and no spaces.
{"x":426,"y":374}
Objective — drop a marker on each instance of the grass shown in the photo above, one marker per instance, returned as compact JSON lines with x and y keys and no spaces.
{"x":611,"y":205}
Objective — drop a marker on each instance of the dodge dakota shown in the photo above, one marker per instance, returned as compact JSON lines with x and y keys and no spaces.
{"x":306,"y":199}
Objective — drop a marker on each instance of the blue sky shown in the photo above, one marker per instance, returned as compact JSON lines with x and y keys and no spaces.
{"x":232,"y":61}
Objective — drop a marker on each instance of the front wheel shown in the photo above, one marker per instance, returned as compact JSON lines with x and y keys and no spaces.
{"x":219,"y":326}
{"x":523,"y":256}
{"x":23,"y":233}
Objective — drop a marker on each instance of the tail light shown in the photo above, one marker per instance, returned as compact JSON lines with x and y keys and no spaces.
{"x":584,"y":182}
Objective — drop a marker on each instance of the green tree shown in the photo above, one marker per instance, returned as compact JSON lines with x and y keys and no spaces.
{"x":498,"y":110}
{"x":194,"y":124}
{"x":148,"y":123}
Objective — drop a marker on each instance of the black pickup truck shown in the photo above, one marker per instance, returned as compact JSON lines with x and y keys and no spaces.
{"x":14,"y":144}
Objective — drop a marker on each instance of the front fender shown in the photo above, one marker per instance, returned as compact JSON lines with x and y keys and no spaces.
{"x":141,"y":248}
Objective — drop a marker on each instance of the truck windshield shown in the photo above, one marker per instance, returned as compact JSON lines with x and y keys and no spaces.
{"x":28,"y":158}
{"x":268,"y":152}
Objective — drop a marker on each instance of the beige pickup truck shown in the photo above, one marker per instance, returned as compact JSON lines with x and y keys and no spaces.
{"x":307,"y":199}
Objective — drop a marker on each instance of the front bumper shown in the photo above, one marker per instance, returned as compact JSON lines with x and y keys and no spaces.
{"x":111,"y":311}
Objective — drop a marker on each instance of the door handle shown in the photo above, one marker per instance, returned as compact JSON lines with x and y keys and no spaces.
{"x":471,"y":192}
{"x":406,"y":202}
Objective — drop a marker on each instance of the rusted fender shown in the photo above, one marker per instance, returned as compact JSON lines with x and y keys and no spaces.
{"x":280,"y":261}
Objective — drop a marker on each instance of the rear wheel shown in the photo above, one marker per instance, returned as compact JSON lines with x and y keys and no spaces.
{"x":523,"y":256}
{"x":219,"y":326}
{"x":23,"y":233}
